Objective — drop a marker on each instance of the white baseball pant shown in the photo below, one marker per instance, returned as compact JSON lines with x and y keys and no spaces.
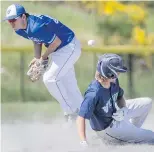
{"x":60,"y":77}
{"x":129,"y":129}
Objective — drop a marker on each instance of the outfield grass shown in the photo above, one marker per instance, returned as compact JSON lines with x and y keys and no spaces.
{"x":37,"y":91}
{"x":85,"y":68}
{"x":84,"y":26}
{"x":29,"y":110}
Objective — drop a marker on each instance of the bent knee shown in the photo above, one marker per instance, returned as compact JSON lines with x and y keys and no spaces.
{"x":147,"y":102}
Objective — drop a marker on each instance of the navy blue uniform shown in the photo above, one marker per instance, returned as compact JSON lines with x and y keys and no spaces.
{"x":44,"y":29}
{"x":99,"y":104}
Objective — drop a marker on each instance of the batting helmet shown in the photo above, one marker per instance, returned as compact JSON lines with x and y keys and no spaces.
{"x":109,"y":64}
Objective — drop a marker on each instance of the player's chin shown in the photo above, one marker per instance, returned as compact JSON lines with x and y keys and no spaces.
{"x":16,"y":28}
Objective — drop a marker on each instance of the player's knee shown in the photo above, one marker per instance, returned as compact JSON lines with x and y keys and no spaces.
{"x":148,"y":102}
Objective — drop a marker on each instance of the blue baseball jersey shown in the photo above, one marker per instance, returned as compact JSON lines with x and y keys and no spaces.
{"x":43,"y":29}
{"x":99,"y":104}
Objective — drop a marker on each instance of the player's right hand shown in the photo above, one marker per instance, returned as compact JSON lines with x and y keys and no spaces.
{"x":32,"y":62}
{"x":84,"y":144}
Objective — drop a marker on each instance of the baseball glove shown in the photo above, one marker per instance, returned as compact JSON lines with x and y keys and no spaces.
{"x":37,"y":69}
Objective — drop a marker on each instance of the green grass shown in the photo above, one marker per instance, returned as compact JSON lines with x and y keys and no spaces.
{"x":85,"y":68}
{"x":10,"y":87}
{"x":84,"y":26}
{"x":29,"y":110}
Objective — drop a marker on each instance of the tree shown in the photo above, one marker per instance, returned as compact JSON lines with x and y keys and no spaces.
{"x":127,"y":21}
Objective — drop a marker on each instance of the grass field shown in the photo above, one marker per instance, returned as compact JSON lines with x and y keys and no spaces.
{"x":84,"y":26}
{"x":36,"y":91}
{"x":29,"y":111}
{"x":85,"y":68}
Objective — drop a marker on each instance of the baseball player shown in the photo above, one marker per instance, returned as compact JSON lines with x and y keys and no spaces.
{"x":62,"y":47}
{"x":113,"y":118}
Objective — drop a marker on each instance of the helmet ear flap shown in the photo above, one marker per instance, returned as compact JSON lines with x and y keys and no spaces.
{"x":111,"y":76}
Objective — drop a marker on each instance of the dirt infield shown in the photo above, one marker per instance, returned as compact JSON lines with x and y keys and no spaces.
{"x":42,"y":135}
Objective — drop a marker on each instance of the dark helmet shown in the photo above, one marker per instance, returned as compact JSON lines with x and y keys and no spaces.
{"x":109,"y":64}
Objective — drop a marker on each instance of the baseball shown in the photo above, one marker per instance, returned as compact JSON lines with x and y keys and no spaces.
{"x":91,"y":42}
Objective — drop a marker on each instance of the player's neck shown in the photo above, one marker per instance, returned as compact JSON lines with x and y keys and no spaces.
{"x":25,"y":25}
{"x":103,"y":81}
{"x":105,"y":84}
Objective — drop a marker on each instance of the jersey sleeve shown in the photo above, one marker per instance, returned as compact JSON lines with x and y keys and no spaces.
{"x":88,"y":105}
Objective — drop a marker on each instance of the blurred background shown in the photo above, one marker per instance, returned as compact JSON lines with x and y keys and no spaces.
{"x":124,"y":27}
{"x":28,"y":111}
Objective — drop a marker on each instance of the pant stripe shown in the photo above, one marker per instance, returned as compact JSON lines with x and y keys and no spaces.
{"x":59,"y":73}
{"x":63,"y":97}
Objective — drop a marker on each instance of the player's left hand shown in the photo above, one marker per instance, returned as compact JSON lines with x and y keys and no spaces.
{"x":37,"y":69}
{"x":120,"y":114}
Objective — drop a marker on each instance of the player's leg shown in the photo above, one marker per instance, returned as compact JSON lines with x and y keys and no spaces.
{"x":126,"y":132}
{"x":62,"y":61}
{"x":73,"y":92}
{"x":138,"y":110}
{"x":70,"y":83}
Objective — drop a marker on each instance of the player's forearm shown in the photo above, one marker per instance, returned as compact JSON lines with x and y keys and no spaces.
{"x":37,"y":50}
{"x":121,"y":102}
{"x":52,"y":47}
{"x":81,"y":128}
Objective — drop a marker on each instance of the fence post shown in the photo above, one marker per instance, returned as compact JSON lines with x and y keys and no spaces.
{"x":130,"y":76}
{"x":22,"y":84}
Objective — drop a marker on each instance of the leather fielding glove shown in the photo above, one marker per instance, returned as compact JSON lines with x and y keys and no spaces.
{"x":37,"y":69}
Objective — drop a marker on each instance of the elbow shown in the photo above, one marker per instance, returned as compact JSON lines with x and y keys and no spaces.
{"x":57,"y":41}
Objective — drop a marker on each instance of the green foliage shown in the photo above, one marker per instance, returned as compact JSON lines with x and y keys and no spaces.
{"x":123,"y":22}
{"x":116,"y":24}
